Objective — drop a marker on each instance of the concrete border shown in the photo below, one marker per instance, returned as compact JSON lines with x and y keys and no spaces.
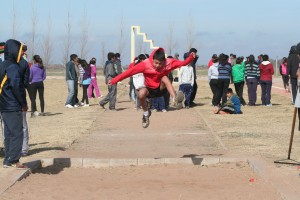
{"x":263,"y":169}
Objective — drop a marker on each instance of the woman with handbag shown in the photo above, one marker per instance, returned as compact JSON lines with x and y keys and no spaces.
{"x":86,"y":81}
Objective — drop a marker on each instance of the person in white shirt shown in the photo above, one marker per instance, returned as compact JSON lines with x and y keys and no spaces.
{"x":213,"y":74}
{"x":186,"y":81}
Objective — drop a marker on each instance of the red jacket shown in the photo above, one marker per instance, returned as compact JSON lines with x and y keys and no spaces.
{"x":266,"y":71}
{"x":153,"y":76}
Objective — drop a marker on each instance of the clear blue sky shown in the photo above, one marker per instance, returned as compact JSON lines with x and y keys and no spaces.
{"x":232,"y":26}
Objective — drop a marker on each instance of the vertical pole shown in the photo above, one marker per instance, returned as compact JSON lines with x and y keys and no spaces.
{"x":292,"y":132}
{"x":132,"y":44}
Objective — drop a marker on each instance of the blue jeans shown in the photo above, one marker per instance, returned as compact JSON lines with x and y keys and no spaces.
{"x":158,"y":103}
{"x":266,"y":87}
{"x":71,"y":89}
{"x":187,"y":90}
{"x":13,"y":136}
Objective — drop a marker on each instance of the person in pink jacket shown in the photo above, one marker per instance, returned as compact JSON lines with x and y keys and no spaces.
{"x":266,"y":72}
{"x":93,"y":84}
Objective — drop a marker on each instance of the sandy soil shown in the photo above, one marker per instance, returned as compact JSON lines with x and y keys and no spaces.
{"x":226,"y":181}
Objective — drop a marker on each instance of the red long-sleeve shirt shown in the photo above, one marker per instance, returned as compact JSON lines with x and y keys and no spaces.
{"x":153,"y":76}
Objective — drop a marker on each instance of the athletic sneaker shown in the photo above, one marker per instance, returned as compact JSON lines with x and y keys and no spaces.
{"x":164,"y":110}
{"x":17,"y":165}
{"x":76,"y":106}
{"x":69,"y":106}
{"x":154,"y":110}
{"x":86,"y":105}
{"x":145,"y":121}
{"x":269,"y":105}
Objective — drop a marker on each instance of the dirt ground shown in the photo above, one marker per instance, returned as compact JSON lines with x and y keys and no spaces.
{"x":150,"y":182}
{"x":261,"y":132}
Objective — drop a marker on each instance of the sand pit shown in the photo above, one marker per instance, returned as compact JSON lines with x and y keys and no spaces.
{"x":220,"y":181}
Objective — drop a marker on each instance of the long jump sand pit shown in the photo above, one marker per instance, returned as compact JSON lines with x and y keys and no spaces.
{"x":219,"y":181}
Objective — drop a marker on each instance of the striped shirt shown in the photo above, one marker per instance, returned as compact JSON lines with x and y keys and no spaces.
{"x":252,"y":72}
{"x":224,"y":71}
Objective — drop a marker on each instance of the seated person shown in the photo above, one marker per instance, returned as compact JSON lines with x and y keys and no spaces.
{"x":232,"y":106}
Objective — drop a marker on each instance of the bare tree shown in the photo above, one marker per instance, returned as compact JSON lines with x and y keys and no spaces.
{"x":32,"y":50}
{"x":190,"y":38}
{"x":84,"y":36}
{"x":170,"y":40}
{"x":122,"y":42}
{"x":103,"y":54}
{"x":68,"y":44}
{"x":47,"y":46}
{"x":14,"y":21}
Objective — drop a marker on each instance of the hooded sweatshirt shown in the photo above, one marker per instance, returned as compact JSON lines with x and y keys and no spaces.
{"x":238,"y":72}
{"x":152,"y":75}
{"x":293,"y":62}
{"x":266,"y":71}
{"x":12,"y":94}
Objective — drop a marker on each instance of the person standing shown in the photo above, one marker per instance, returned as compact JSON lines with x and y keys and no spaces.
{"x":213,"y":74}
{"x":292,"y":67}
{"x":284,"y":74}
{"x":94,"y":84}
{"x":186,"y":81}
{"x":195,"y":86}
{"x":86,"y":81}
{"x":238,"y":75}
{"x":12,"y":103}
{"x":36,"y":79}
{"x":224,"y":69}
{"x":72,"y":79}
{"x":266,"y":72}
{"x":252,"y":75}
{"x":109,"y":73}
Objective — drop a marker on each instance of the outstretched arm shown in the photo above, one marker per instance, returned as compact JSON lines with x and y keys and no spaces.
{"x":139,"y":68}
{"x":178,"y":63}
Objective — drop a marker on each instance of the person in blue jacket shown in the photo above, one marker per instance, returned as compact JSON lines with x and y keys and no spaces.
{"x":12,"y":103}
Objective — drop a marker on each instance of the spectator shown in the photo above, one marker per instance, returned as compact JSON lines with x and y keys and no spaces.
{"x":211,"y":61}
{"x":195,"y":86}
{"x":232,"y":106}
{"x":284,"y":74}
{"x":37,"y":76}
{"x":186,"y":81}
{"x":292,"y":66}
{"x":86,"y":81}
{"x":252,"y":75}
{"x":213,"y":74}
{"x":238,"y":74}
{"x":224,"y":70}
{"x":72,"y":80}
{"x":266,"y":72}
{"x":94,"y":84}
{"x":12,"y":103}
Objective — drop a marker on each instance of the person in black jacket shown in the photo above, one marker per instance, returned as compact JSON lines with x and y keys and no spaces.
{"x":292,"y":67}
{"x":12,"y":103}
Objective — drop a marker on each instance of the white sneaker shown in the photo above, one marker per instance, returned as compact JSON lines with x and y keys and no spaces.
{"x":86,"y":105}
{"x":36,"y":113}
{"x":69,"y":106}
{"x":76,"y":106}
{"x":164,"y":110}
{"x":269,"y":104}
{"x":154,"y":110}
{"x":82,"y":104}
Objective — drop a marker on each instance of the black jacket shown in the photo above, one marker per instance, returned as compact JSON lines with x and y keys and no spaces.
{"x":13,"y":96}
{"x":293,"y":62}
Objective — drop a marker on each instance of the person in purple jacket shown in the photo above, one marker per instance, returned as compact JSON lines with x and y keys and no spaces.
{"x":37,"y":76}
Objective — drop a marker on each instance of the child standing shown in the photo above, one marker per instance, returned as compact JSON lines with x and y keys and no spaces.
{"x":285,"y":76}
{"x":238,"y":75}
{"x":86,"y":81}
{"x":155,"y":70}
{"x":94,"y":84}
{"x":186,"y":81}
{"x":158,"y":104}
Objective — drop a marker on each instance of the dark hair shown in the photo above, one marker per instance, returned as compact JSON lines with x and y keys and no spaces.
{"x":92,"y":61}
{"x":110,"y":55}
{"x":117,"y":55}
{"x":83,"y":63}
{"x":141,"y":58}
{"x":73,"y":57}
{"x":223,"y":59}
{"x":239,"y":60}
{"x":265,"y":57}
{"x":251,"y":60}
{"x":159,"y":55}
{"x":229,"y":90}
{"x":193,"y":50}
{"x":169,"y":56}
{"x":38,"y":60}
{"x":284,"y":60}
